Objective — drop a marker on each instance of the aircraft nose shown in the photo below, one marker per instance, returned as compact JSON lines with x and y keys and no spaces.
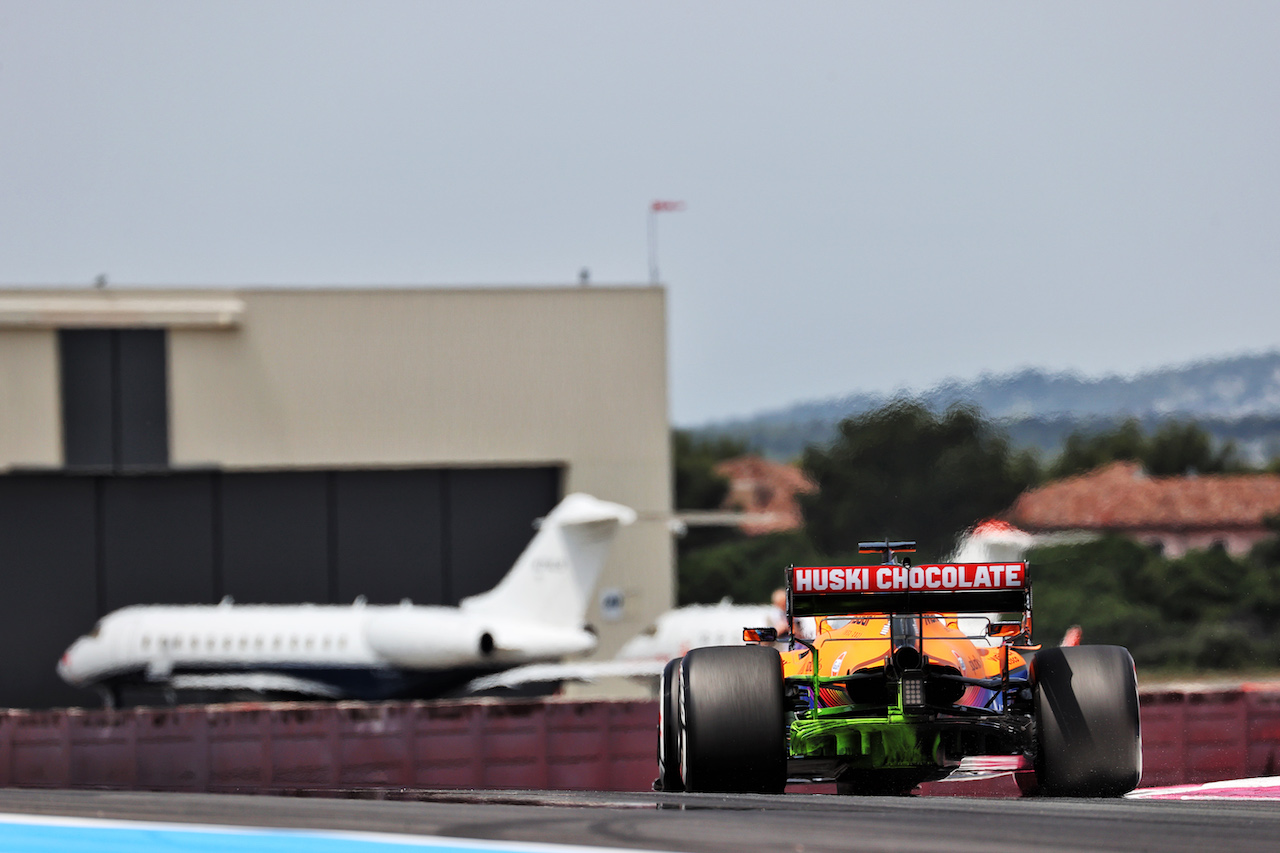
{"x":64,"y":665}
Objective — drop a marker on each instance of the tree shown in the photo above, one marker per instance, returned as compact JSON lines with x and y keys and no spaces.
{"x":1203,"y":610}
{"x":903,"y":472}
{"x":715,"y":562}
{"x":1175,"y":448}
{"x":697,"y":485}
{"x":747,"y":571}
{"x":1179,"y":447}
{"x":1085,"y":450}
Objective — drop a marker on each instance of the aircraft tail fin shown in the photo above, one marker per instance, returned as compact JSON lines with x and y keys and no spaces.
{"x":553,"y":579}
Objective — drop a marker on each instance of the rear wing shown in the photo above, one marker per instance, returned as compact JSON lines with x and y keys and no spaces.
{"x":897,"y":588}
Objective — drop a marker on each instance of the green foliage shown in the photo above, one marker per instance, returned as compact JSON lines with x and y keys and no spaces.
{"x":1085,"y":450}
{"x":747,"y":570}
{"x":1205,"y":609}
{"x":1267,"y":552}
{"x":1175,"y":447}
{"x":697,"y":485}
{"x":903,"y":472}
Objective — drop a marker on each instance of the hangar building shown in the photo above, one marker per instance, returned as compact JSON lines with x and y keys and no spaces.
{"x":284,"y":445}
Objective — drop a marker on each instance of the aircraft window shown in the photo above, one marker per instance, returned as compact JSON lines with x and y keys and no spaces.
{"x":226,"y":644}
{"x":342,"y":642}
{"x":293,"y":642}
{"x":311,"y":641}
{"x":244,"y":643}
{"x":211,"y":643}
{"x":146,"y":642}
{"x":276,"y":642}
{"x":650,"y":630}
{"x":257,"y":643}
{"x":177,"y":642}
{"x":195,"y":644}
{"x":164,"y":643}
{"x":328,"y":641}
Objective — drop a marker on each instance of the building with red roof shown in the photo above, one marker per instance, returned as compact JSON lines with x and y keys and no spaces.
{"x":765,"y":492}
{"x":1176,"y":513}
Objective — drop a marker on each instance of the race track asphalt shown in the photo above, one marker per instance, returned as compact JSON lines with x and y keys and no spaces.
{"x":698,"y":823}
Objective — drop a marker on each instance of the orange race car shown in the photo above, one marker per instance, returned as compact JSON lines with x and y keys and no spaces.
{"x":913,"y":673}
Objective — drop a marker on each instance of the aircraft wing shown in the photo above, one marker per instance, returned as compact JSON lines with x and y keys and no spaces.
{"x":580,"y":671}
{"x":258,"y":682}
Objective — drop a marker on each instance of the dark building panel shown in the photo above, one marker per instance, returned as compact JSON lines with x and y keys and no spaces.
{"x":274,"y":537}
{"x":47,"y":572}
{"x":491,"y":515}
{"x":73,"y":548}
{"x":115,"y":398}
{"x":387,"y":537}
{"x":142,"y":407}
{"x":157,"y":539}
{"x":86,"y":367}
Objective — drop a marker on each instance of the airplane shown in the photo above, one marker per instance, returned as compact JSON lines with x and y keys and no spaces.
{"x":670,"y":636}
{"x":362,"y":651}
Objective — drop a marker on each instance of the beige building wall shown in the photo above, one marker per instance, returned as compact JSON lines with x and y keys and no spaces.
{"x":311,"y":378}
{"x":30,"y":409}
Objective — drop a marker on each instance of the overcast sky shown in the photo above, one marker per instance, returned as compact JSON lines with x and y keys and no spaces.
{"x":878,"y":195}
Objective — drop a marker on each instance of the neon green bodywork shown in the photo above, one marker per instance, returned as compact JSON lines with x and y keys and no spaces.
{"x":892,"y":740}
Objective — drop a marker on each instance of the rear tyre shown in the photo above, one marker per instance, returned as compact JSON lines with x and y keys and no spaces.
{"x":1088,"y":734}
{"x":732,"y":721}
{"x":669,"y":730}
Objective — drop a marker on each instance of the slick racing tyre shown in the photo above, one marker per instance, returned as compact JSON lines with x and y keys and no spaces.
{"x":1088,"y":735}
{"x":669,"y":730}
{"x":732,"y":722}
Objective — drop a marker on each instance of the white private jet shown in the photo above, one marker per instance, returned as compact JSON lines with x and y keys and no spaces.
{"x":671,"y":635}
{"x":361,"y":651}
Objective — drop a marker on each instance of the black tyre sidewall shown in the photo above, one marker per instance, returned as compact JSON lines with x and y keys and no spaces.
{"x":732,"y":720}
{"x":669,"y":729}
{"x":1088,"y":729}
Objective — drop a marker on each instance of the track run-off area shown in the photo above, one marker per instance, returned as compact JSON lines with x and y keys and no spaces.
{"x":1229,"y":816}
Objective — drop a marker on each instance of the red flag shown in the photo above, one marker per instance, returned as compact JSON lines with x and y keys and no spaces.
{"x":666,"y":206}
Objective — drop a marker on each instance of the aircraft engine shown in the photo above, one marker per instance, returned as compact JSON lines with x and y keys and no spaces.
{"x":427,"y":638}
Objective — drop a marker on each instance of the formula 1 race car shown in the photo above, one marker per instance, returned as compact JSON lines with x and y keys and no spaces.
{"x":913,"y":674}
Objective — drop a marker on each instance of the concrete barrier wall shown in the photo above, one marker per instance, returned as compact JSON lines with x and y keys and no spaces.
{"x":558,"y":745}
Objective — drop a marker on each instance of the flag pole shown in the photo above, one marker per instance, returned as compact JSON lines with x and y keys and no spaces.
{"x":653,"y":243}
{"x":655,"y":208}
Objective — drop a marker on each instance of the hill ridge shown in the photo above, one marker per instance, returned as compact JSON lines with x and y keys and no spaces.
{"x":1236,"y":397}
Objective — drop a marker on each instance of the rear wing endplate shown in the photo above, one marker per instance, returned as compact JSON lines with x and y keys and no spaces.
{"x":896,"y":588}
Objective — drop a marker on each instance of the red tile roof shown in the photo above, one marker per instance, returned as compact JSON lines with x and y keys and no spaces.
{"x":1121,"y":496}
{"x":759,"y":486}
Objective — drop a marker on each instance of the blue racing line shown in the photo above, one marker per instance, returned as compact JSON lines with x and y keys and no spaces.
{"x":51,"y":834}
